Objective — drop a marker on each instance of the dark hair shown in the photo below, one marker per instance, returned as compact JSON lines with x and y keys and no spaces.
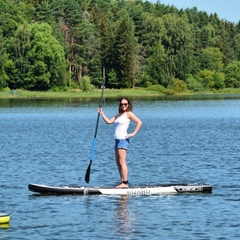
{"x":129,"y":108}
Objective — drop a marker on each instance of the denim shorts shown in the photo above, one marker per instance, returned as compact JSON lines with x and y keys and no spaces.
{"x":121,"y":143}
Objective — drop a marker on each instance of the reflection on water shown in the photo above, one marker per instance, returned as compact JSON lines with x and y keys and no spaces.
{"x":47,"y":102}
{"x":6,"y":225}
{"x":124,"y":222}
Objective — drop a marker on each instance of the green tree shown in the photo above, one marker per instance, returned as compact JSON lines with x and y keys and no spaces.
{"x":227,"y":41}
{"x":112,"y":78}
{"x":206,"y":77}
{"x":139,"y":42}
{"x":179,"y":85}
{"x":124,"y":51}
{"x":153,"y":32}
{"x":156,"y":68}
{"x":103,"y":33}
{"x":237,"y":46}
{"x":85,"y":84}
{"x":3,"y":60}
{"x":208,"y":37}
{"x":232,"y":73}
{"x":47,"y":58}
{"x":38,"y":57}
{"x":11,"y":16}
{"x":18,"y":48}
{"x":82,"y":40}
{"x":212,"y":59}
{"x":219,"y":80}
{"x":193,"y":83}
{"x":178,"y":45}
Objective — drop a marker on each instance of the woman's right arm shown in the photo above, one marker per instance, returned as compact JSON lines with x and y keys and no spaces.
{"x":105,"y":118}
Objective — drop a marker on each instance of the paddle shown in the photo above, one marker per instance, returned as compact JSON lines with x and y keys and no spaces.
{"x":87,"y":175}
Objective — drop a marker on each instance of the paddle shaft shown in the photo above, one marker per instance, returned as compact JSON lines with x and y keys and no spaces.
{"x":87,"y":175}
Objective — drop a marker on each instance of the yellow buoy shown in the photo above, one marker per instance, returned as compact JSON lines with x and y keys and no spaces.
{"x":4,"y":218}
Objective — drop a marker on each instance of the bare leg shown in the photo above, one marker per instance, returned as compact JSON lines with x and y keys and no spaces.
{"x":121,"y":160}
{"x":118,"y":164}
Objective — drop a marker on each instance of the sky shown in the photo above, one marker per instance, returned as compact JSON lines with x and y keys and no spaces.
{"x":226,"y":9}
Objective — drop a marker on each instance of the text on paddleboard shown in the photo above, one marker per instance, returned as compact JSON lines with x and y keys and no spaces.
{"x":139,"y":192}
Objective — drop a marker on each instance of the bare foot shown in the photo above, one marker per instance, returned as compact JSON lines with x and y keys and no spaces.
{"x":122,"y":185}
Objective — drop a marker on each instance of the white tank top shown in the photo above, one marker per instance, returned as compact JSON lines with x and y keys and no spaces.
{"x":121,"y":126}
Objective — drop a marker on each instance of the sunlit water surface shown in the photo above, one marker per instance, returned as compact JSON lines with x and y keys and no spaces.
{"x":181,"y":141}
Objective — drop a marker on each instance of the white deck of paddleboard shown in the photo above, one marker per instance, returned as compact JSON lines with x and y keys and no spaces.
{"x":138,"y":190}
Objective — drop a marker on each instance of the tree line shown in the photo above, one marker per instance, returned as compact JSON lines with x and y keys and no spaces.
{"x":62,"y":44}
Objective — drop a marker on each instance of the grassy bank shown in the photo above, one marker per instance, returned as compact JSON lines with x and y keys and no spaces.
{"x":78,"y":94}
{"x":97,"y":92}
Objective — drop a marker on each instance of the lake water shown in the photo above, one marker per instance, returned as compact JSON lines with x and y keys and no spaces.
{"x":181,"y":141}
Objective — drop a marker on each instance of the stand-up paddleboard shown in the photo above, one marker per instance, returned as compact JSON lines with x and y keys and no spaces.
{"x":137,"y":190}
{"x":4,"y":218}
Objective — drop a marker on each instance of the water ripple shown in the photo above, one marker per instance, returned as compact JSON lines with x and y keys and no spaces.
{"x":180,"y":142}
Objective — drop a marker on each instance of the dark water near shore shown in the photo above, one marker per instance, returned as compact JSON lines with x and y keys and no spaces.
{"x":182,"y":140}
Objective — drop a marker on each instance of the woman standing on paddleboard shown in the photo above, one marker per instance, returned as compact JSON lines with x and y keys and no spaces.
{"x":122,"y":121}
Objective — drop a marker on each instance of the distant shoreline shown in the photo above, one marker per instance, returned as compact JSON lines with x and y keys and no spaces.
{"x":141,"y":92}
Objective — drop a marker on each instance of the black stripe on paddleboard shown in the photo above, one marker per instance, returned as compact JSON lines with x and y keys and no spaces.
{"x":56,"y":189}
{"x":61,"y":190}
{"x":73,"y":189}
{"x":193,"y":188}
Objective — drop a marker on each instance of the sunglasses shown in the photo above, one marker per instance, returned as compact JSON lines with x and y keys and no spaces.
{"x":123,"y":104}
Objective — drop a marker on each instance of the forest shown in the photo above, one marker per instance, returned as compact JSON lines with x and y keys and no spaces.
{"x":64,"y":44}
